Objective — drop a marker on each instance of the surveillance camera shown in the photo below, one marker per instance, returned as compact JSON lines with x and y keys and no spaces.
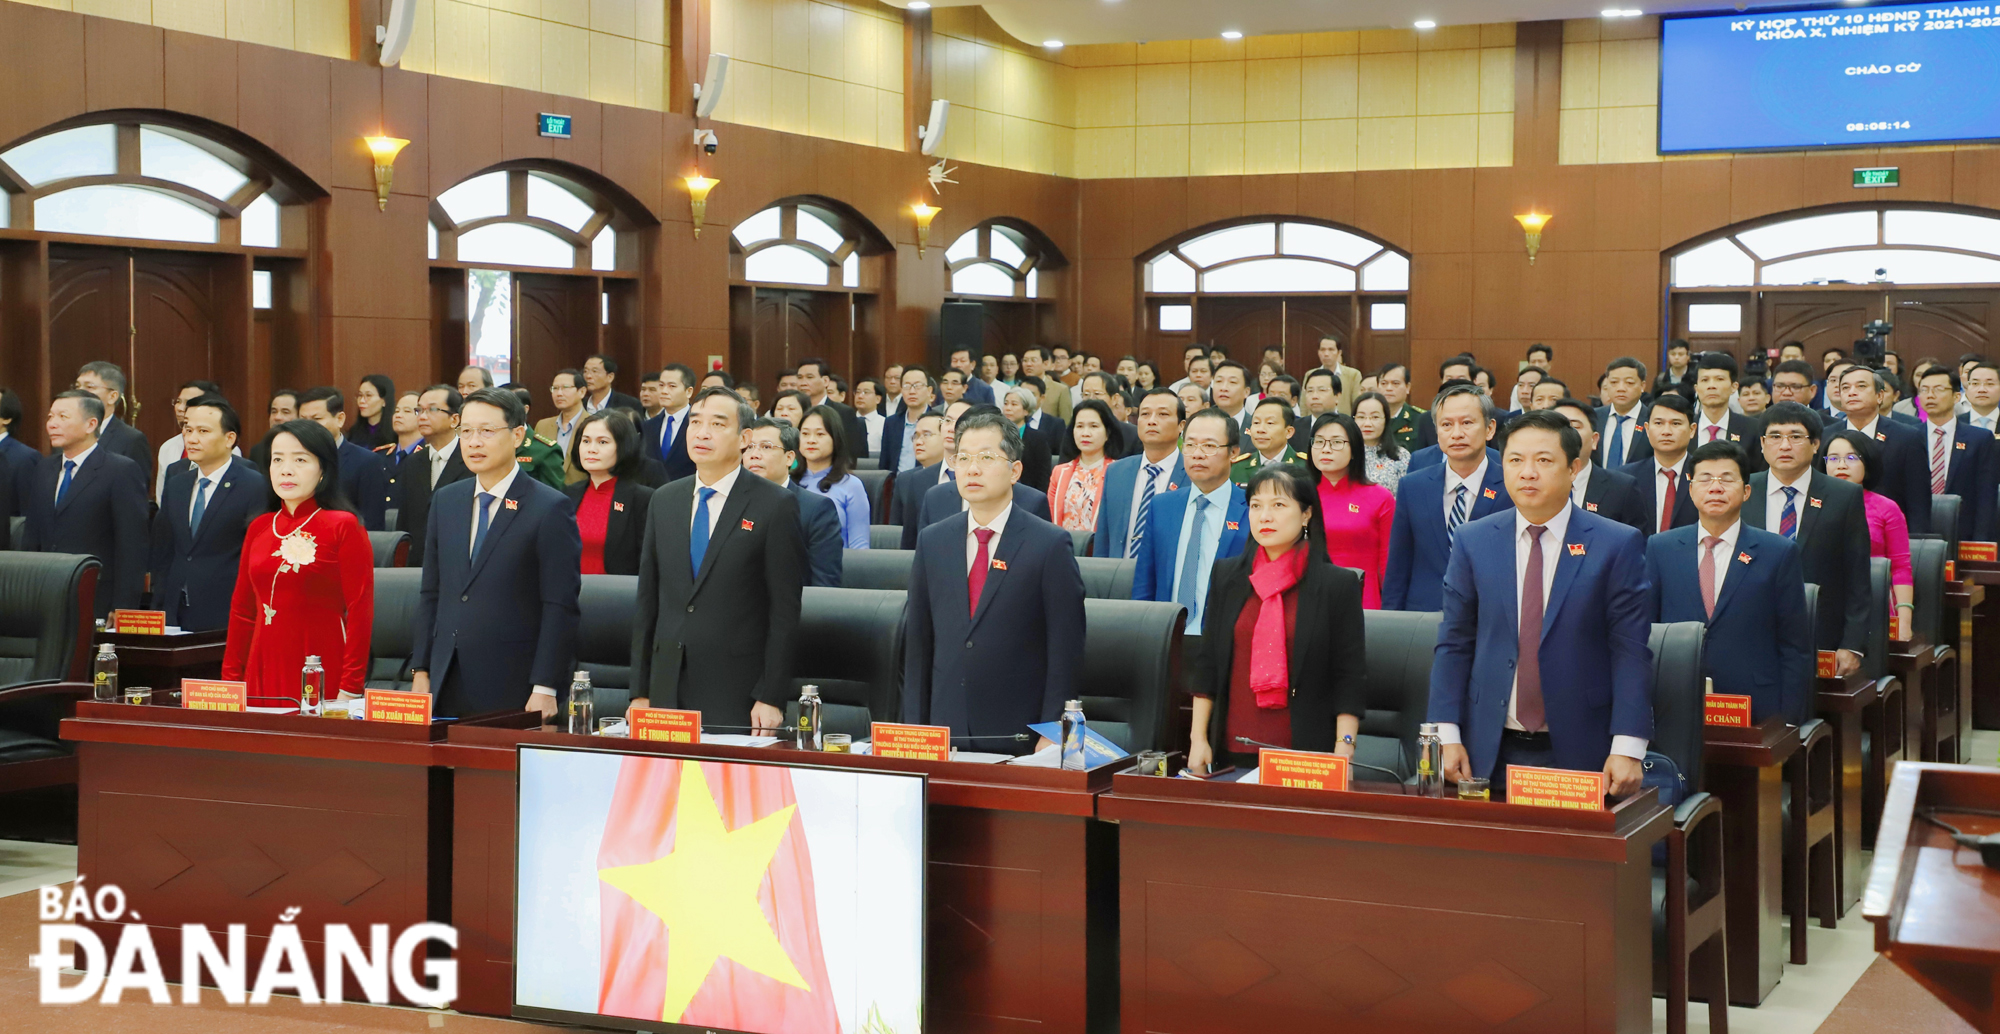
{"x":705,"y":139}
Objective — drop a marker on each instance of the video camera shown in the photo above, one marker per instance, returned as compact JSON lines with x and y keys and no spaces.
{"x":1869,"y":350}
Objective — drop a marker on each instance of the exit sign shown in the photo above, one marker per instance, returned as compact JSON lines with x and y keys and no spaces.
{"x":558,"y":126}
{"x":1888,"y":177}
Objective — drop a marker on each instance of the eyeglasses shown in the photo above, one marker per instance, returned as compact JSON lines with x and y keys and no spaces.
{"x":923,"y":436}
{"x":982,"y":460}
{"x":433,"y":410}
{"x":1787,"y":439}
{"x":1329,"y":444}
{"x":1725,"y":480}
{"x":1202,"y":448}
{"x":770,"y":447}
{"x":482,"y":434}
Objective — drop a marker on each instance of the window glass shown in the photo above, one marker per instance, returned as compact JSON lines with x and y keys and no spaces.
{"x":260,"y":288}
{"x":490,"y":301}
{"x":1389,"y":272}
{"x":1328,"y":243}
{"x":1167,"y":274}
{"x":786,"y":264}
{"x":84,"y":151}
{"x":260,"y":223}
{"x":1005,"y":249}
{"x":983,"y":278}
{"x":121,"y":211}
{"x":1034,"y":285}
{"x":1234,"y":242}
{"x":550,"y":200}
{"x":1278,"y":274}
{"x":514,"y":244}
{"x":1943,"y":230}
{"x":1813,"y":233}
{"x":1901,"y":267}
{"x":481,"y":197}
{"x":432,"y":227}
{"x":1715,"y":264}
{"x":850,"y":270}
{"x":758,"y":228}
{"x":604,"y":250}
{"x":1715,"y":319}
{"x":166,"y":157}
{"x":1388,"y":316}
{"x":1177,"y":317}
{"x":815,"y":230}
{"x":965,"y":247}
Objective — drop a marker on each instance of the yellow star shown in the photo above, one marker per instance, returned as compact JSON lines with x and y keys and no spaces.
{"x":705,"y":890}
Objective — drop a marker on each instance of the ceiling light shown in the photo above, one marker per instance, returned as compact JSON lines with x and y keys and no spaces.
{"x":919,"y":5}
{"x":1427,"y":24}
{"x":1231,"y":34}
{"x":1613,"y":12}
{"x":1052,"y":44}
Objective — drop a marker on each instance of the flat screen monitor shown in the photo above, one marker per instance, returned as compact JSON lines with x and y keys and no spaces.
{"x":1829,"y":77}
{"x":663,"y":893}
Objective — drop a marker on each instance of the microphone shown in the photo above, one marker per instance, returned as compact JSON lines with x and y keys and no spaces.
{"x":1019,"y":737}
{"x":1400,"y":788}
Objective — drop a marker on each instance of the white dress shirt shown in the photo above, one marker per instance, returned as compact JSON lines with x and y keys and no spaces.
{"x":998,"y":527}
{"x":1581,"y":485}
{"x":872,"y":423}
{"x":1725,"y":553}
{"x":1703,"y":423}
{"x":172,"y":451}
{"x":1950,"y":429}
{"x":722,"y":487}
{"x":1868,"y":430}
{"x":591,"y":405}
{"x":1774,"y":499}
{"x":1473,"y":482}
{"x":1989,"y":422}
{"x":439,"y":457}
{"x":78,"y":460}
{"x":675,"y":423}
{"x":1160,"y":488}
{"x":1611,"y":419}
{"x":214,"y":479}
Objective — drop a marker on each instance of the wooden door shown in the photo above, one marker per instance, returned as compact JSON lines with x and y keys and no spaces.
{"x":1008,"y":327}
{"x":558,"y":320}
{"x":1942,"y":325}
{"x":788,"y":326}
{"x":1311,"y":318}
{"x":152,"y":313}
{"x":1737,"y":343}
{"x":1242,"y":326}
{"x":1819,"y":320}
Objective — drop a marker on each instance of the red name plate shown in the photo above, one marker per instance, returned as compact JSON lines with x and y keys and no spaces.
{"x":137,"y":622}
{"x":1951,"y":570}
{"x":1728,"y":709}
{"x":664,"y":725}
{"x":1986,"y":552}
{"x":1829,"y":664}
{"x":1302,"y":769}
{"x":387,"y":705}
{"x":210,"y":695}
{"x":919,"y":742}
{"x":1555,"y":788}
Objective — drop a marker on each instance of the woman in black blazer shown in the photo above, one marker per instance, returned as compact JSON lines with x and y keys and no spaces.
{"x":611,"y":502}
{"x":1294,"y":677}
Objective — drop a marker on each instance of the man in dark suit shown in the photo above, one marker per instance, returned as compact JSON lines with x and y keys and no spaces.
{"x":1714,"y":385}
{"x":944,"y":499}
{"x":1963,"y":459}
{"x":1621,"y":421}
{"x":1826,"y":517}
{"x":1433,"y":503}
{"x":600,"y":375}
{"x":1607,"y":493}
{"x":363,"y":479}
{"x":816,"y":380}
{"x":1746,"y":584}
{"x":1905,"y":469}
{"x":1039,"y":445}
{"x":665,"y":433}
{"x":431,"y":467}
{"x":770,"y":449}
{"x":719,"y":582}
{"x":918,"y":392}
{"x":967,"y":364}
{"x":204,"y":513}
{"x":1005,"y":584}
{"x":106,"y":381}
{"x":497,"y":614}
{"x":1541,"y":657}
{"x":931,"y":442}
{"x":1662,"y":476}
{"x":20,"y":456}
{"x":1132,"y":485}
{"x":88,"y":499}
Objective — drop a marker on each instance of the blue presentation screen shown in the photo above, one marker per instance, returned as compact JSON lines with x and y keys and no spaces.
{"x":1836,"y":77}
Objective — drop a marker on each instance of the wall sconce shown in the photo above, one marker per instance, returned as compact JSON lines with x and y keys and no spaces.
{"x":1532,"y":224}
{"x":384,"y":149}
{"x":698,"y":188}
{"x":924,"y":213}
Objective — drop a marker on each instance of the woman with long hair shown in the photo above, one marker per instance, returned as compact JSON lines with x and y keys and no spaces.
{"x":374,"y":412}
{"x":1354,"y":514}
{"x":1386,"y":461}
{"x":826,"y":465}
{"x":1852,"y":456}
{"x":1010,"y":368}
{"x":611,"y":499}
{"x":305,"y":584}
{"x":1076,"y":486}
{"x":1148,"y":376}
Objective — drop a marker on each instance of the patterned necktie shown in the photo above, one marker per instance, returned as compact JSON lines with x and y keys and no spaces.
{"x":1667,"y":502}
{"x":1615,"y":452}
{"x":1528,"y":671}
{"x":1939,"y":468}
{"x":1457,"y":515}
{"x":200,"y":507}
{"x":1185,"y":590}
{"x":69,"y":471}
{"x":1708,"y":573}
{"x":975,"y":579}
{"x":1145,"y":507}
{"x":1788,"y":521}
{"x":698,"y":535}
{"x":485,"y":519}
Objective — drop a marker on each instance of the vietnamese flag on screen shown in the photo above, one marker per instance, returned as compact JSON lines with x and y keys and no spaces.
{"x":706,"y":894}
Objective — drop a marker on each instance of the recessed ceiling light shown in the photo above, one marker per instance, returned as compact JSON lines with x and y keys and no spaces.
{"x":1232,"y":34}
{"x":1614,"y":12}
{"x":1052,"y":44}
{"x":919,"y":5}
{"x":1427,"y":24}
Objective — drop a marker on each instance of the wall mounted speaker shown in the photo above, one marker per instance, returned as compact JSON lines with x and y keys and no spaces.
{"x":395,"y":35}
{"x":708,"y":92}
{"x":931,"y":133}
{"x":960,"y":325}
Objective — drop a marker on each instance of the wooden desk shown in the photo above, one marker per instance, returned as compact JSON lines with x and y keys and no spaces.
{"x":1262,"y":908}
{"x":1745,"y":768}
{"x":162,"y":661}
{"x":1022,"y":915}
{"x":1842,"y":702}
{"x":1962,"y":600}
{"x":1982,"y":633}
{"x":1933,"y":903}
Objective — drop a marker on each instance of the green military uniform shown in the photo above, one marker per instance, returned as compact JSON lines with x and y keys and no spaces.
{"x":1247,"y":465}
{"x":1404,"y":426}
{"x":542,"y":460}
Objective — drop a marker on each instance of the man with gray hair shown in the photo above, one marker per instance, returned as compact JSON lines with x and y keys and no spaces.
{"x":1906,"y":469}
{"x":106,"y":382}
{"x":1432,"y":503}
{"x":87,"y":499}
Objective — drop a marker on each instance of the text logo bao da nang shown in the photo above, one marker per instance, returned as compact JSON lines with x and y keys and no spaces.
{"x":70,"y":949}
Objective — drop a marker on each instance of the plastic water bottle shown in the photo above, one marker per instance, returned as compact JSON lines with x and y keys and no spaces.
{"x":1430,"y":761}
{"x":312,"y":686}
{"x":582,"y":709}
{"x":1072,"y":736}
{"x":105,"y":683}
{"x":809,"y":718}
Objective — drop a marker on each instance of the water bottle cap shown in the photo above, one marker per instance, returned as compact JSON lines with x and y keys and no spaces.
{"x":1427,"y":729}
{"x":1072,"y":705}
{"x":312,"y":658}
{"x":809,"y":691}
{"x":105,"y":650}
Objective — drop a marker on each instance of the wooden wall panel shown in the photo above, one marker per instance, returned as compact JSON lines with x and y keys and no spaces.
{"x":201,"y":76}
{"x":40,"y":51}
{"x":124,"y":65}
{"x":285,"y":99}
{"x":377,"y":259}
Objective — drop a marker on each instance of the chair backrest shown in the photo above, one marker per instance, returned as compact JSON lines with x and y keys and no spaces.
{"x":1927,"y":557}
{"x":17,"y":531}
{"x":867,"y":463}
{"x":389,"y":518}
{"x":393,"y":637}
{"x":885,"y":536}
{"x":1812,"y":605}
{"x":1679,"y":713}
{"x":391,"y":547}
{"x":1106,"y":578}
{"x":46,"y":607}
{"x":1131,"y":649}
{"x":850,"y":645}
{"x":1877,"y":660}
{"x":873,"y":480}
{"x":876,"y":568}
{"x":1079,"y":542}
{"x":605,"y":606}
{"x":1945,"y":510}
{"x":1400,"y":646}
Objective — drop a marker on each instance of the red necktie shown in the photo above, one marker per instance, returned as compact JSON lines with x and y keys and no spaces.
{"x":1667,"y":505}
{"x":1939,"y":468}
{"x":1713,"y":430}
{"x":1708,"y":573}
{"x":1528,"y":672}
{"x":975,"y":579}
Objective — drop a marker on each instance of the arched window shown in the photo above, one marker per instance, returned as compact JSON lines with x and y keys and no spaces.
{"x":1859,"y":246}
{"x":996,"y":260}
{"x":135,"y":178}
{"x":800,"y":243}
{"x":530,"y":217}
{"x":1277,"y":258}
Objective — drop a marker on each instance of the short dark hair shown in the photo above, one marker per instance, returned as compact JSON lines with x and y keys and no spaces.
{"x":1939,"y":370}
{"x":649,"y":377}
{"x":1675,"y":401}
{"x":294,"y":393}
{"x":1568,"y":402}
{"x":1548,"y":420}
{"x":10,"y":408}
{"x":1557,"y":381}
{"x":1717,"y":361}
{"x":335,"y":405}
{"x":1542,"y":348}
{"x":1288,"y":381}
{"x":1798,"y":366}
{"x":1723,"y":450}
{"x":1232,"y":435}
{"x":1865,"y":447}
{"x":453,"y":401}
{"x":955,"y":349}
{"x":527,"y":397}
{"x":1273,"y":400}
{"x":1386,"y":368}
{"x":1626,"y":362}
{"x":1786,"y":413}
{"x":727,"y":380}
{"x":1029,"y":380}
{"x":92,"y":406}
{"x":788,"y":436}
{"x":575,"y":376}
{"x":1526,"y":370}
{"x":953,"y":371}
{"x":1321,"y":371}
{"x":1038,"y":350}
{"x":503,"y":399}
{"x":1294,"y":484}
{"x":1800,"y":345}
{"x":1750,"y":380}
{"x":744,"y":414}
{"x":688,"y":379}
{"x":1231,"y":364}
{"x":1680,"y":344}
{"x":624,"y":437}
{"x":1457,"y":360}
{"x":205,"y":387}
{"x":1203,"y":358}
{"x":110,"y":373}
{"x":485,"y":375}
{"x":610,"y":365}
{"x":1835,"y":350}
{"x":983,"y":417}
{"x":819,"y":365}
{"x":224,"y":411}
{"x":1180,"y":408}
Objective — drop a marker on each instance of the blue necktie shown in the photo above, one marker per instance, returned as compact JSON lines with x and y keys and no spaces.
{"x":200,"y":506}
{"x":69,"y":470}
{"x":1788,"y":521}
{"x":1186,"y":592}
{"x":1616,"y":455}
{"x":1457,"y":512}
{"x":667,"y":440}
{"x":1145,"y":505}
{"x":485,"y":518}
{"x":698,"y":535}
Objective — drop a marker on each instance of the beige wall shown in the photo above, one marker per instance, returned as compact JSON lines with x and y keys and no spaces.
{"x":613,"y":51}
{"x":1610,"y":91}
{"x":1012,"y":103}
{"x":313,"y":26}
{"x":825,"y":68}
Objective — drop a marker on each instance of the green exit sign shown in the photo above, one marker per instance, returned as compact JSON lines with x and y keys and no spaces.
{"x":1888,"y":177}
{"x":558,"y":126}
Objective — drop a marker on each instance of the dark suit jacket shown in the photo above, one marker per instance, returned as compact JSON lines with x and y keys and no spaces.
{"x":24,"y":462}
{"x":906,"y":501}
{"x":721,"y":639}
{"x":1037,"y":455}
{"x":103,"y":515}
{"x":819,"y":524}
{"x":364,"y":479}
{"x":1648,"y":486}
{"x":1326,"y":660}
{"x":413,"y":480}
{"x":1613,"y":494}
{"x":625,"y":529}
{"x":979,"y":393}
{"x":675,"y":458}
{"x":1022,"y":650}
{"x":1906,"y":469}
{"x":892,"y":442}
{"x":194,"y":575}
{"x":129,"y":442}
{"x":941,"y":501}
{"x":1974,"y":477}
{"x":1637,"y":445}
{"x":1597,"y":670}
{"x":1745,"y":431}
{"x":1758,"y":643}
{"x":623,"y":401}
{"x":490,"y":628}
{"x":1419,"y":548}
{"x":850,"y":421}
{"x":1833,"y":549}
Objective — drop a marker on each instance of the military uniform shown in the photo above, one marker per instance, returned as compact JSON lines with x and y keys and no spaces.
{"x":1247,"y":465}
{"x":539,"y":456}
{"x":1404,"y":426}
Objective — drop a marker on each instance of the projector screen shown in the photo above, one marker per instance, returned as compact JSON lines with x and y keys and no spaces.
{"x":1832,"y":77}
{"x":653,"y":892}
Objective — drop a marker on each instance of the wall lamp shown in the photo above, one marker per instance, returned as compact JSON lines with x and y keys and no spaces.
{"x":698,"y":188}
{"x":924,"y":213}
{"x":384,"y":149}
{"x":1531,"y":224}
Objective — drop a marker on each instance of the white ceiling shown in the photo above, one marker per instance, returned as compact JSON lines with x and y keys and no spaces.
{"x":1126,"y":21}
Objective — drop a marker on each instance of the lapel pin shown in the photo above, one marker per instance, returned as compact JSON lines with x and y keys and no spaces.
{"x":513,"y":504}
{"x":620,"y":507}
{"x":1959,"y":444}
{"x":1231,"y":525}
{"x":999,"y":565}
{"x":749,"y":525}
{"x":1353,"y":507}
{"x":1813,"y":502}
{"x":1489,"y":494}
{"x":1735,"y":437}
{"x":1576,"y":549}
{"x":1742,"y":558}
{"x":1171,"y":487}
{"x":523,"y":460}
{"x":1880,"y":437}
{"x":225,"y":484}
{"x":1592,"y":507}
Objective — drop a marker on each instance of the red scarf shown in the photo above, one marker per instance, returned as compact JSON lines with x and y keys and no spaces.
{"x":1270,"y":661}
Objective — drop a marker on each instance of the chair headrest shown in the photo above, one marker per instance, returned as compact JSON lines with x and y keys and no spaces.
{"x":1106,"y":578}
{"x":1927,"y":557}
{"x":1679,"y":715}
{"x":604,"y":622}
{"x":876,"y":568}
{"x":396,"y":590}
{"x":40,"y":604}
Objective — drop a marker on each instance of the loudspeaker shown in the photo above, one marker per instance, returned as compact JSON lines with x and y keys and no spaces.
{"x":931,"y":134}
{"x":395,"y":35}
{"x":961,"y":325}
{"x":708,"y":92}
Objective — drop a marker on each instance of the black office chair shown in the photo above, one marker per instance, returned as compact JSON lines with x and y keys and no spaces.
{"x":1079,"y":542}
{"x":873,"y":480}
{"x":1690,"y":943}
{"x":1938,"y":723}
{"x":1945,"y":513}
{"x":1885,"y":732}
{"x":1105,"y":578}
{"x":885,"y":536}
{"x":392,"y":548}
{"x":867,"y":463}
{"x":393,"y":637}
{"x":46,"y":621}
{"x":1400,"y":646}
{"x":876,"y":568}
{"x":850,"y":645}
{"x":1131,"y":657}
{"x":604,"y":640}
{"x":389,"y":518}
{"x":1810,"y":810}
{"x":17,"y":532}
